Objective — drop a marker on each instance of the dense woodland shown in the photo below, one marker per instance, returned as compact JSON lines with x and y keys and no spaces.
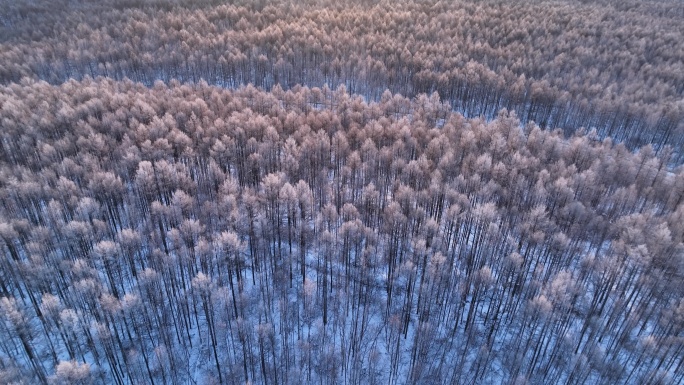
{"x":613,"y":65}
{"x":310,"y":193}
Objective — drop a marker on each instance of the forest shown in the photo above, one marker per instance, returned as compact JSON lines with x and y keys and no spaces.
{"x":341,"y":192}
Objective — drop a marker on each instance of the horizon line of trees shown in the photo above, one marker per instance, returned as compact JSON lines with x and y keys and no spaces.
{"x":561,"y":65}
{"x":175,"y":233}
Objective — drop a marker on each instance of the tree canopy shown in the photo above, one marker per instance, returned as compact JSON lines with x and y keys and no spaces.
{"x":154,"y":235}
{"x":359,"y":192}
